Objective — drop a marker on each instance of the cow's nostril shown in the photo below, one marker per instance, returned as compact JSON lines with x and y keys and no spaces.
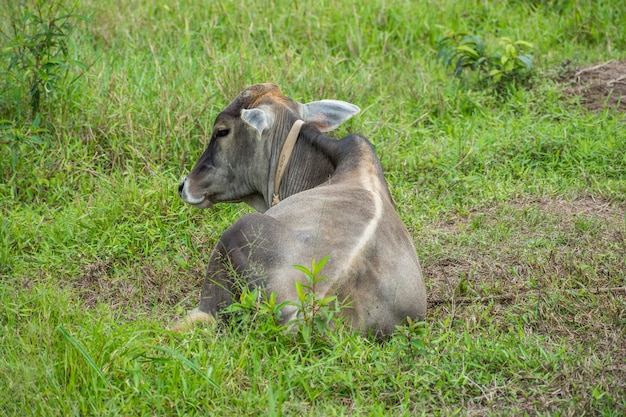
{"x":180,"y":187}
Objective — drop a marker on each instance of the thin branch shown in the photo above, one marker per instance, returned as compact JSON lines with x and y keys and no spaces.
{"x":510,"y":297}
{"x":595,"y":67}
{"x":471,"y":149}
{"x":617,"y":80}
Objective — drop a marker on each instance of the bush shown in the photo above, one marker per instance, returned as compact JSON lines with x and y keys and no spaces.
{"x":513,"y":64}
{"x":315,"y":319}
{"x":36,"y":69}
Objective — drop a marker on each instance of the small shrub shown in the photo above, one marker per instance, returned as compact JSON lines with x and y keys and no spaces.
{"x":36,"y":69}
{"x":37,"y":55}
{"x":411,"y":339}
{"x":463,"y":52}
{"x":256,"y":309}
{"x":316,"y":316}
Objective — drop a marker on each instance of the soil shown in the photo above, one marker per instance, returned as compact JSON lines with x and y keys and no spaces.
{"x":599,"y":86}
{"x":579,"y":231}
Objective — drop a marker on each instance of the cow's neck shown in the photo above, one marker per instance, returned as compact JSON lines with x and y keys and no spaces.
{"x":312,"y":163}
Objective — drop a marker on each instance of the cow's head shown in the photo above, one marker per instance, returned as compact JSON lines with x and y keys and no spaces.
{"x":236,"y":166}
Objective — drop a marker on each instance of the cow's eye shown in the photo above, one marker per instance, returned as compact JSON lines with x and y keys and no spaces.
{"x":221,"y":133}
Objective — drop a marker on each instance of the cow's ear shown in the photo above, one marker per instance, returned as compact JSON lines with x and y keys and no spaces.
{"x":328,"y":114}
{"x":257,"y":118}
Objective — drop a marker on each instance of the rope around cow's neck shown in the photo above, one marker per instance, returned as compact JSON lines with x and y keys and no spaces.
{"x":283,"y":158}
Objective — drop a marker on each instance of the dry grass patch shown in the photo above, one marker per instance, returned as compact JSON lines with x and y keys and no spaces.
{"x":528,"y":244}
{"x":599,"y":86}
{"x":555,"y":265}
{"x":148,"y":290}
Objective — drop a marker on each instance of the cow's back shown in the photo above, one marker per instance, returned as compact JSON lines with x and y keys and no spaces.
{"x":373,"y":264}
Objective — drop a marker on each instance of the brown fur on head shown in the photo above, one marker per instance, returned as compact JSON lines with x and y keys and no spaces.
{"x":257,"y":94}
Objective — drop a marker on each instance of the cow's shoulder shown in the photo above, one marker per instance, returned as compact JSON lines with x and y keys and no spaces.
{"x":250,"y":228}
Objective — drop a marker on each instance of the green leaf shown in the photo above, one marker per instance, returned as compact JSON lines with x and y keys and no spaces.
{"x":79,"y":64}
{"x":468,"y":49}
{"x":36,"y":139}
{"x":327,"y":300}
{"x":36,"y":122}
{"x":317,"y":267}
{"x":526,"y":60}
{"x":496,"y":74}
{"x":74,"y":342}
{"x":234,"y":308}
{"x":304,"y":270}
{"x":510,"y":51}
{"x":191,"y":365}
{"x":524,"y":44}
{"x":271,"y":301}
{"x":300,"y":291}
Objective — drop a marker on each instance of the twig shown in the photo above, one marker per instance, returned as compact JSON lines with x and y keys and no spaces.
{"x":509,"y":297}
{"x":419,"y":119}
{"x":471,"y":149}
{"x":595,"y":67}
{"x":618,"y":79}
{"x":465,"y":300}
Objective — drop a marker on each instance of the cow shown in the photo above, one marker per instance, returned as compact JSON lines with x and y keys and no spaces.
{"x":315,"y":196}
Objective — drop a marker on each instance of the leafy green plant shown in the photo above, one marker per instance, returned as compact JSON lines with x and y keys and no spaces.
{"x":255,"y":308}
{"x":37,"y":71}
{"x":514,"y":62}
{"x":510,"y":64}
{"x":316,"y":315}
{"x":462,"y":51}
{"x":37,"y":56}
{"x":410,"y":338}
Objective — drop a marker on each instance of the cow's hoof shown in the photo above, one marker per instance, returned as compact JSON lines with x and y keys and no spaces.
{"x":193,"y":317}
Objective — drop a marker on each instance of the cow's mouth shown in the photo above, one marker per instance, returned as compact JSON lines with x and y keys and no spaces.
{"x":207,"y":202}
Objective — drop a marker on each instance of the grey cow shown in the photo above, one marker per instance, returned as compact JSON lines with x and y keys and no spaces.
{"x":316,"y":196}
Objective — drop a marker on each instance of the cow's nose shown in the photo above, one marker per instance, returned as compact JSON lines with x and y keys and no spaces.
{"x":181,"y":186}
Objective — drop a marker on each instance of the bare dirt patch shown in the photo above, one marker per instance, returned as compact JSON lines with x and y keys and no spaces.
{"x":149,"y":290}
{"x":600,"y":86}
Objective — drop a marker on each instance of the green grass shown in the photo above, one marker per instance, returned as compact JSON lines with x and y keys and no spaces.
{"x":516,"y":204}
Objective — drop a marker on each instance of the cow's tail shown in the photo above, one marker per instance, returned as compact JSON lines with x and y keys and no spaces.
{"x":193,"y":317}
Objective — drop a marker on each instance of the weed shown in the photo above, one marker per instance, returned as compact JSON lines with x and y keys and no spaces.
{"x":84,"y":354}
{"x":316,"y":316}
{"x":39,"y":60}
{"x":511,"y":65}
{"x":257,"y":310}
{"x":411,"y":337}
{"x":37,"y":71}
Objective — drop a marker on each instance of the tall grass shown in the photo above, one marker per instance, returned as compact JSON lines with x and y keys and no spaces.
{"x":516,"y":204}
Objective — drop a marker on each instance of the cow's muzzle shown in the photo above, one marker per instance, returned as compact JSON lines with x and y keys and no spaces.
{"x":204,"y":201}
{"x":181,"y":186}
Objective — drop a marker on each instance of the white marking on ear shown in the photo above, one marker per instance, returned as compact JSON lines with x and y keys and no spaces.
{"x":258,"y":118}
{"x":327,"y":114}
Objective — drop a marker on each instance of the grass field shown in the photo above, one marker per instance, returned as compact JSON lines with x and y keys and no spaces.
{"x":515,"y":197}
